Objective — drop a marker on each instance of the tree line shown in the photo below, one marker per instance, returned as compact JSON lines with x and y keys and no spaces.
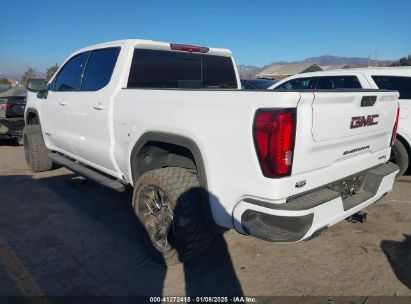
{"x":402,"y":62}
{"x":31,"y":73}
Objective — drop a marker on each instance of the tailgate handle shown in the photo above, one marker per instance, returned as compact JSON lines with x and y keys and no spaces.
{"x":368,"y":101}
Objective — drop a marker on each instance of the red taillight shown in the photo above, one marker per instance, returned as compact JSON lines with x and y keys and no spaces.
{"x":394,"y":131}
{"x":189,"y":48}
{"x":5,"y":106}
{"x":274,"y":136}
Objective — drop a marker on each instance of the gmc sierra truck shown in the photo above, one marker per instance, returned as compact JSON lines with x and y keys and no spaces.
{"x":203,"y":155}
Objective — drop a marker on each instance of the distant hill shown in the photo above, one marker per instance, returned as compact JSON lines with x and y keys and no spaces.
{"x":248,"y":71}
{"x":17,"y":76}
{"x":352,"y":61}
{"x":251,"y":71}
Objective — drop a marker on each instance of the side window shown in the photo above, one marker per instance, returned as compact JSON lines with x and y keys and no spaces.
{"x":297,"y":84}
{"x":398,"y":83}
{"x":338,"y":82}
{"x":69,"y":77}
{"x":99,"y":69}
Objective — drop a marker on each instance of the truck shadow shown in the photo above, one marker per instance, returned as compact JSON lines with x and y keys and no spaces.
{"x":399,"y":256}
{"x":77,"y":238}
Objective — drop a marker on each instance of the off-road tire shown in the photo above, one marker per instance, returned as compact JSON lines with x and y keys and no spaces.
{"x":399,"y":156}
{"x":190,"y":234}
{"x":35,"y":150}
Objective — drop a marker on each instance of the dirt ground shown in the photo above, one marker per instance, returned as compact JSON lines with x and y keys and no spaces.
{"x":62,"y":235}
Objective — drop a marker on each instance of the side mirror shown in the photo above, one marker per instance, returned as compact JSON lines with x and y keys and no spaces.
{"x":36,"y":85}
{"x":39,"y":86}
{"x":42,"y":94}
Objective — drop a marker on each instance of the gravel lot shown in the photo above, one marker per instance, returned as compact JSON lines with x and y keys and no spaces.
{"x":63,"y":235}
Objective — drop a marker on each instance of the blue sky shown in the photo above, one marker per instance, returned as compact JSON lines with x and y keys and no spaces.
{"x":42,"y":33}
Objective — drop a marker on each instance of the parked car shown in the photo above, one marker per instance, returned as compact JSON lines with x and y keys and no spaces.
{"x":204,"y":155}
{"x":390,"y":78}
{"x":4,"y":87}
{"x":12,"y":104}
{"x":257,"y":84}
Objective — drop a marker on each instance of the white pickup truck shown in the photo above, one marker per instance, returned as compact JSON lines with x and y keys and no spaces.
{"x":389,"y":78}
{"x":202,"y":154}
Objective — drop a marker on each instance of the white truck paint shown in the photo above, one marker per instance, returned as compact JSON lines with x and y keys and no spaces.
{"x":101,"y":128}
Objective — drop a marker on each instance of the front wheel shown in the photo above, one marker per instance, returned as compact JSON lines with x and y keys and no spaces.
{"x":167,"y":202}
{"x":35,"y":150}
{"x":399,"y":156}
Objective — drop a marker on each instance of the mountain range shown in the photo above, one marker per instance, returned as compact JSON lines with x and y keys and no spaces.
{"x":250,"y":70}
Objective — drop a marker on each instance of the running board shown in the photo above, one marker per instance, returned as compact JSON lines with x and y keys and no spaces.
{"x":84,"y":171}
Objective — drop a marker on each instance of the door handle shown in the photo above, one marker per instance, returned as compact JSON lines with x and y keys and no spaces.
{"x":62,"y":103}
{"x":98,"y":106}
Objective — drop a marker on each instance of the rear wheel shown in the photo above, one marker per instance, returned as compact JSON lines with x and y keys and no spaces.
{"x":35,"y":150}
{"x":168,"y":204}
{"x":399,"y":156}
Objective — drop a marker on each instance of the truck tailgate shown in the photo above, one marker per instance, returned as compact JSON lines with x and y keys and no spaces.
{"x":330,"y":146}
{"x":338,"y":115}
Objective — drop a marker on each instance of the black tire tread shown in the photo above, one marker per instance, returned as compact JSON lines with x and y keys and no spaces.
{"x":193,"y":235}
{"x":37,"y":151}
{"x":402,"y":158}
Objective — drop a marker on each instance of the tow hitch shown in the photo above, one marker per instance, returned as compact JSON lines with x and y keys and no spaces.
{"x":359,"y":217}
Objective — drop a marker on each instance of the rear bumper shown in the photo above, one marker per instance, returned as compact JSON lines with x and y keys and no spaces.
{"x":305,"y":215}
{"x":11,"y":127}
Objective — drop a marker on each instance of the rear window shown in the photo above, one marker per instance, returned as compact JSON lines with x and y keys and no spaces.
{"x":297,"y":84}
{"x":165,"y":69}
{"x":338,"y":82}
{"x":398,"y":83}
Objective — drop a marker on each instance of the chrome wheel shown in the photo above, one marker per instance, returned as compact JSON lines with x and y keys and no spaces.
{"x":158,"y":216}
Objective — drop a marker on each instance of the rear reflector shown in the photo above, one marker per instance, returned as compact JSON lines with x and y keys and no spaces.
{"x":4,"y":105}
{"x":394,"y":131}
{"x":189,"y":48}
{"x":274,"y":136}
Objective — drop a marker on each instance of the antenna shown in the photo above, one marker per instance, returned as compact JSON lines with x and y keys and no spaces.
{"x":375,"y":57}
{"x":369,"y":60}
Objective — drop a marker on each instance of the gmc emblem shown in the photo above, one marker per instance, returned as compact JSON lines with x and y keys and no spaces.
{"x":363,"y":121}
